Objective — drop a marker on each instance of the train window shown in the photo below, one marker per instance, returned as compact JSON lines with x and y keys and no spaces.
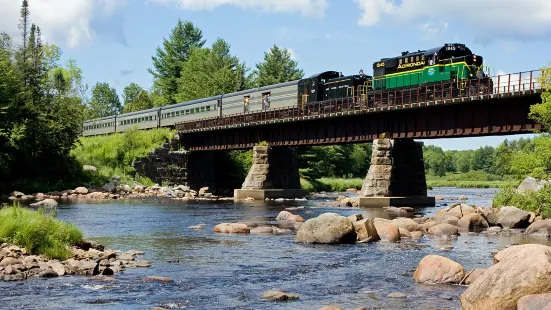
{"x":196,"y":110}
{"x":400,"y":61}
{"x":202,"y":109}
{"x":406,"y":60}
{"x":208,"y":108}
{"x":416,"y":58}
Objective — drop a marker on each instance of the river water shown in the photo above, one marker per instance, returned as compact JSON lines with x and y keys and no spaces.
{"x":221,"y":271}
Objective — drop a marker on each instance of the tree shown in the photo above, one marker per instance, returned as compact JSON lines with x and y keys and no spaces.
{"x":170,"y":60}
{"x":105,"y":101}
{"x":136,"y":98}
{"x":484,"y":158}
{"x":541,"y":112}
{"x":211,"y":71}
{"x":277,"y":67}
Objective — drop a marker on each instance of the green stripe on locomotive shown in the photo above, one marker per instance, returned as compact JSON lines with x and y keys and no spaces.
{"x":429,"y":74}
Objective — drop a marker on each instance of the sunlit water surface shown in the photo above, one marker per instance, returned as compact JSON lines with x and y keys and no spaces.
{"x":220,"y":271}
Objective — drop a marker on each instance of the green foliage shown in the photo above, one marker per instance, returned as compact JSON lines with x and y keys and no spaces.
{"x":38,"y":232}
{"x":115,"y":154}
{"x":211,"y":71}
{"x":105,"y":101}
{"x":538,"y":202}
{"x":40,"y":114}
{"x":541,"y":112}
{"x":277,"y":67}
{"x":170,"y":60}
{"x":136,"y":98}
{"x":335,"y":161}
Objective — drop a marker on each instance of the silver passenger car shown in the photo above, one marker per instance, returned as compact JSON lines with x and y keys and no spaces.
{"x":280,"y":95}
{"x":145,"y":119}
{"x":99,"y":126}
{"x":186,"y":111}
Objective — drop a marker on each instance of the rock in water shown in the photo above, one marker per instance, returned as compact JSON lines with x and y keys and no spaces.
{"x":519,"y":271}
{"x":330,"y":228}
{"x":433,"y":269}
{"x":513,"y":217}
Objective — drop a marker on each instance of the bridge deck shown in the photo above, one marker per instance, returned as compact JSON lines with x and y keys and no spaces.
{"x":505,"y":86}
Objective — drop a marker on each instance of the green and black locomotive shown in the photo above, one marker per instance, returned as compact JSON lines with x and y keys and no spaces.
{"x":453,"y":66}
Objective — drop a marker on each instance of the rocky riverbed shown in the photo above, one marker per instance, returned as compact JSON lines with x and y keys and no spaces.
{"x":87,"y":259}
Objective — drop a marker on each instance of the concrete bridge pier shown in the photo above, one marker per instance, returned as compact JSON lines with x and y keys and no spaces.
{"x":273,"y":174}
{"x":396,"y":176}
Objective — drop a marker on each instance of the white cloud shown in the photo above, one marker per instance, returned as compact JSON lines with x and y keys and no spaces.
{"x":306,"y":7}
{"x":293,"y":53}
{"x":62,"y":22}
{"x":488,"y":19}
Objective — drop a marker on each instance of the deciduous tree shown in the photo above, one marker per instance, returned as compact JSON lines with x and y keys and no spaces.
{"x":105,"y":101}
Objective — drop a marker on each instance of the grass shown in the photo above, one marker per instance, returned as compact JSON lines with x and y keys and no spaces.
{"x":114,"y":154}
{"x":330,"y":184}
{"x":38,"y":232}
{"x":471,"y":179}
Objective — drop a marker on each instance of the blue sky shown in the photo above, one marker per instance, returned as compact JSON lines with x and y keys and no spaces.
{"x":113,"y":40}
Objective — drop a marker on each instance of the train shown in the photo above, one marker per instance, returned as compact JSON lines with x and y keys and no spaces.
{"x":423,"y":71}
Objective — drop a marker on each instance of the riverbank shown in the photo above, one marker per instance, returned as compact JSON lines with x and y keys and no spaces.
{"x":468,"y":180}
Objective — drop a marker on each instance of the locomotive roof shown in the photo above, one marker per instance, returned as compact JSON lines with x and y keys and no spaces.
{"x":431,"y":51}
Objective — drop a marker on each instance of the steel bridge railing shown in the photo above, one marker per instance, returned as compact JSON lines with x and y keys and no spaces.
{"x":364,"y":102}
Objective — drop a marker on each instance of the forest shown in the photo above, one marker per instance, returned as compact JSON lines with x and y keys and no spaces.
{"x":43,"y":103}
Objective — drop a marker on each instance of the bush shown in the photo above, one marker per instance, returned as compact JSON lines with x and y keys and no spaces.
{"x":37,"y":232}
{"x":538,"y":202}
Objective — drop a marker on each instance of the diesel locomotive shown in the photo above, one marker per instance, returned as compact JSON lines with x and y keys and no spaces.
{"x":447,"y":70}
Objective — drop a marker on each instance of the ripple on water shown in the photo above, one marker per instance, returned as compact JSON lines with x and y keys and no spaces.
{"x":216,"y":271}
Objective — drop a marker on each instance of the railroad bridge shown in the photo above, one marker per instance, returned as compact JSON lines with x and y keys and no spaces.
{"x":390,"y":119}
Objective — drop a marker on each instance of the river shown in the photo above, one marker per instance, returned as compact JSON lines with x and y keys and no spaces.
{"x":220,"y":271}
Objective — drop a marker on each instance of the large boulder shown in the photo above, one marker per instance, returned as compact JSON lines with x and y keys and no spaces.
{"x":513,"y":217}
{"x":386,"y":230}
{"x":435,"y":269}
{"x":327,"y":228}
{"x":537,"y":225}
{"x":490,"y":214}
{"x":443,"y":230}
{"x":473,"y":221}
{"x":531,"y":184}
{"x":519,"y":271}
{"x":365,"y":230}
{"x":407,"y":224}
{"x":457,"y":209}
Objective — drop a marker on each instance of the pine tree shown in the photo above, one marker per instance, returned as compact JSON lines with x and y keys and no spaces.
{"x":277,"y":67}
{"x":169,"y":61}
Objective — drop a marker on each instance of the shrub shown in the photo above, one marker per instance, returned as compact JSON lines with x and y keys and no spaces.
{"x":538,"y":202}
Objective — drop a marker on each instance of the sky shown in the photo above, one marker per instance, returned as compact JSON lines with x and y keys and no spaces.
{"x":113,"y":40}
